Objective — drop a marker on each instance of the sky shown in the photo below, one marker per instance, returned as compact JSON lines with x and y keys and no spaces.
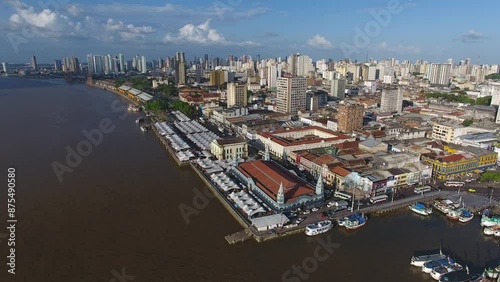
{"x":378,"y":29}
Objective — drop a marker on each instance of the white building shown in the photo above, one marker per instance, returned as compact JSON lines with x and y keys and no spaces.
{"x":144,"y":67}
{"x":5,"y":67}
{"x":272,"y":76}
{"x":491,"y":89}
{"x":236,"y":95}
{"x":448,"y":131}
{"x":391,"y":100}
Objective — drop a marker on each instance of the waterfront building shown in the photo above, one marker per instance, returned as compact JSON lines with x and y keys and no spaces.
{"x":57,"y":65}
{"x":230,"y":148}
{"x":446,"y":167}
{"x":291,"y":94}
{"x":5,"y":67}
{"x":350,"y":117}
{"x":236,"y":95}
{"x":282,"y":143}
{"x":277,"y":187}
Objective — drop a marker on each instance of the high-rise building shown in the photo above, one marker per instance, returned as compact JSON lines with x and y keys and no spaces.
{"x":75,"y":65}
{"x":272,"y":76}
{"x":180,"y":68}
{"x":439,"y":74}
{"x":391,"y":101}
{"x":5,"y":67}
{"x":236,"y":94}
{"x":350,"y":117}
{"x":217,"y":77}
{"x":144,"y":67}
{"x":291,"y":94}
{"x":121,"y":60}
{"x":338,"y":88}
{"x":57,"y":65}
{"x":34,"y":65}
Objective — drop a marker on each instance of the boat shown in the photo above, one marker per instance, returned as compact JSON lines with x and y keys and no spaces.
{"x":488,"y":220}
{"x":420,"y":260}
{"x":143,"y":128}
{"x":138,"y":120}
{"x":488,"y":231}
{"x":454,"y":214}
{"x":355,"y":221}
{"x":420,"y":208}
{"x":428,"y":266}
{"x":463,"y":275}
{"x":443,"y":206}
{"x":496,"y":232}
{"x":132,"y":108}
{"x":319,"y":227}
{"x":466,"y":215}
{"x":438,"y":272}
{"x":492,"y":272}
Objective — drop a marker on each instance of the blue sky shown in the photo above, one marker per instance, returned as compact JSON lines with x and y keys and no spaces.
{"x":407,"y":29}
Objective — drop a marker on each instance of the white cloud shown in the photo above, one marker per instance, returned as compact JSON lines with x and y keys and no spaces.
{"x":319,"y":42}
{"x":201,"y":34}
{"x":128,"y":31}
{"x":471,"y":36}
{"x":384,"y":46}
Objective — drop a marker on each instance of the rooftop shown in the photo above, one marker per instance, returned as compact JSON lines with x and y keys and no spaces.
{"x":268,"y":176}
{"x":303,"y":135}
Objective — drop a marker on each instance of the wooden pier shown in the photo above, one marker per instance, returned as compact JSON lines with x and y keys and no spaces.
{"x":240,"y":236}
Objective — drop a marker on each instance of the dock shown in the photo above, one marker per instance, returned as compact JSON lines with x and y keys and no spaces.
{"x":404,"y":203}
{"x":240,"y":236}
{"x":167,"y":146}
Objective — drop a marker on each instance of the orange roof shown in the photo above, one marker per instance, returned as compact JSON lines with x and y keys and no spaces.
{"x":452,"y":158}
{"x":347,"y":145}
{"x":307,"y":139}
{"x":341,"y":171}
{"x":268,"y":176}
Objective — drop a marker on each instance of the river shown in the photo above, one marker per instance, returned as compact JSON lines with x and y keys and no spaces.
{"x":112,"y":212}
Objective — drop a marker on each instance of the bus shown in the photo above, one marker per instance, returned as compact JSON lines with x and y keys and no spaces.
{"x":342,"y":195}
{"x":378,"y":199}
{"x":454,"y":184}
{"x":420,"y":190}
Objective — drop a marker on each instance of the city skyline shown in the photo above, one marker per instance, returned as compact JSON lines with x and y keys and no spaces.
{"x":406,"y":30}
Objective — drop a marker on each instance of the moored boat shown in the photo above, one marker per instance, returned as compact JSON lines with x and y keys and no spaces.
{"x":488,"y":231}
{"x":463,"y":275}
{"x":143,"y":128}
{"x":430,"y":265}
{"x":420,"y":260}
{"x":454,"y":214}
{"x":355,"y":221}
{"x":420,"y":208}
{"x":443,"y":205}
{"x":466,"y":215}
{"x":319,"y":227}
{"x":488,"y":220}
{"x":438,"y":272}
{"x":496,"y":232}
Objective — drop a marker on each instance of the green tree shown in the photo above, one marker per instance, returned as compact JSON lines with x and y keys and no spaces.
{"x":484,"y":101}
{"x":493,"y":76}
{"x":467,"y":122}
{"x":156,"y":105}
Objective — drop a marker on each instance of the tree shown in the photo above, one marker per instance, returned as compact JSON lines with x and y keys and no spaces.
{"x":490,"y":176}
{"x":484,"y":101}
{"x":467,"y":122}
{"x":157,"y":105}
{"x":493,"y":76}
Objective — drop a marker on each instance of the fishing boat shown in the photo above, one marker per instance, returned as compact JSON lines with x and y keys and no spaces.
{"x":492,"y":272}
{"x":466,"y":215}
{"x":428,"y":266}
{"x":143,"y":128}
{"x":443,"y":205}
{"x":438,"y":272}
{"x":319,"y":227}
{"x":420,"y":260}
{"x":355,"y":221}
{"x":488,"y":231}
{"x":420,"y":209}
{"x":488,"y":220}
{"x":454,"y":214}
{"x":463,"y":275}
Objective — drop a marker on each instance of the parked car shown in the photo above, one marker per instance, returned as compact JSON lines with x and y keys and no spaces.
{"x":299,"y":220}
{"x":331,"y":204}
{"x":472,"y":190}
{"x":315,"y":209}
{"x":306,"y":212}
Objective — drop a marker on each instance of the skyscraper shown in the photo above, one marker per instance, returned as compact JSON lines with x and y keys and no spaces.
{"x":34,"y":65}
{"x":237,"y":95}
{"x":391,"y":101}
{"x":291,"y":94}
{"x":5,"y":67}
{"x":121,"y":60}
{"x":350,"y":117}
{"x":272,"y":76}
{"x":57,"y":65}
{"x":180,"y":68}
{"x":144,"y":67}
{"x":439,"y":74}
{"x":338,"y":88}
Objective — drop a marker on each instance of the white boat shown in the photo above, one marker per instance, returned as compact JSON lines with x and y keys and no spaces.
{"x":430,"y":265}
{"x":488,"y":220}
{"x":466,"y":216}
{"x":421,"y":209}
{"x":443,"y":206}
{"x":355,"y":221}
{"x":488,"y":231}
{"x":440,"y":271}
{"x":420,"y":260}
{"x":319,"y":227}
{"x":143,"y":128}
{"x":454,"y":214}
{"x":496,"y":233}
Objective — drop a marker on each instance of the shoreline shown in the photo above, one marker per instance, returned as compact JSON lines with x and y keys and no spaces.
{"x":249,"y":231}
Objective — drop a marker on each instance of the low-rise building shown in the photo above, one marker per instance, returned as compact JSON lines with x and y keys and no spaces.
{"x":373,"y":146}
{"x":448,"y":131}
{"x":230,"y":148}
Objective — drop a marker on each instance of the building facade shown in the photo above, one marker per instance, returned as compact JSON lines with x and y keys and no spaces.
{"x":291,"y":94}
{"x":236,"y":95}
{"x":391,"y":101}
{"x":232,"y":148}
{"x":350,"y":117}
